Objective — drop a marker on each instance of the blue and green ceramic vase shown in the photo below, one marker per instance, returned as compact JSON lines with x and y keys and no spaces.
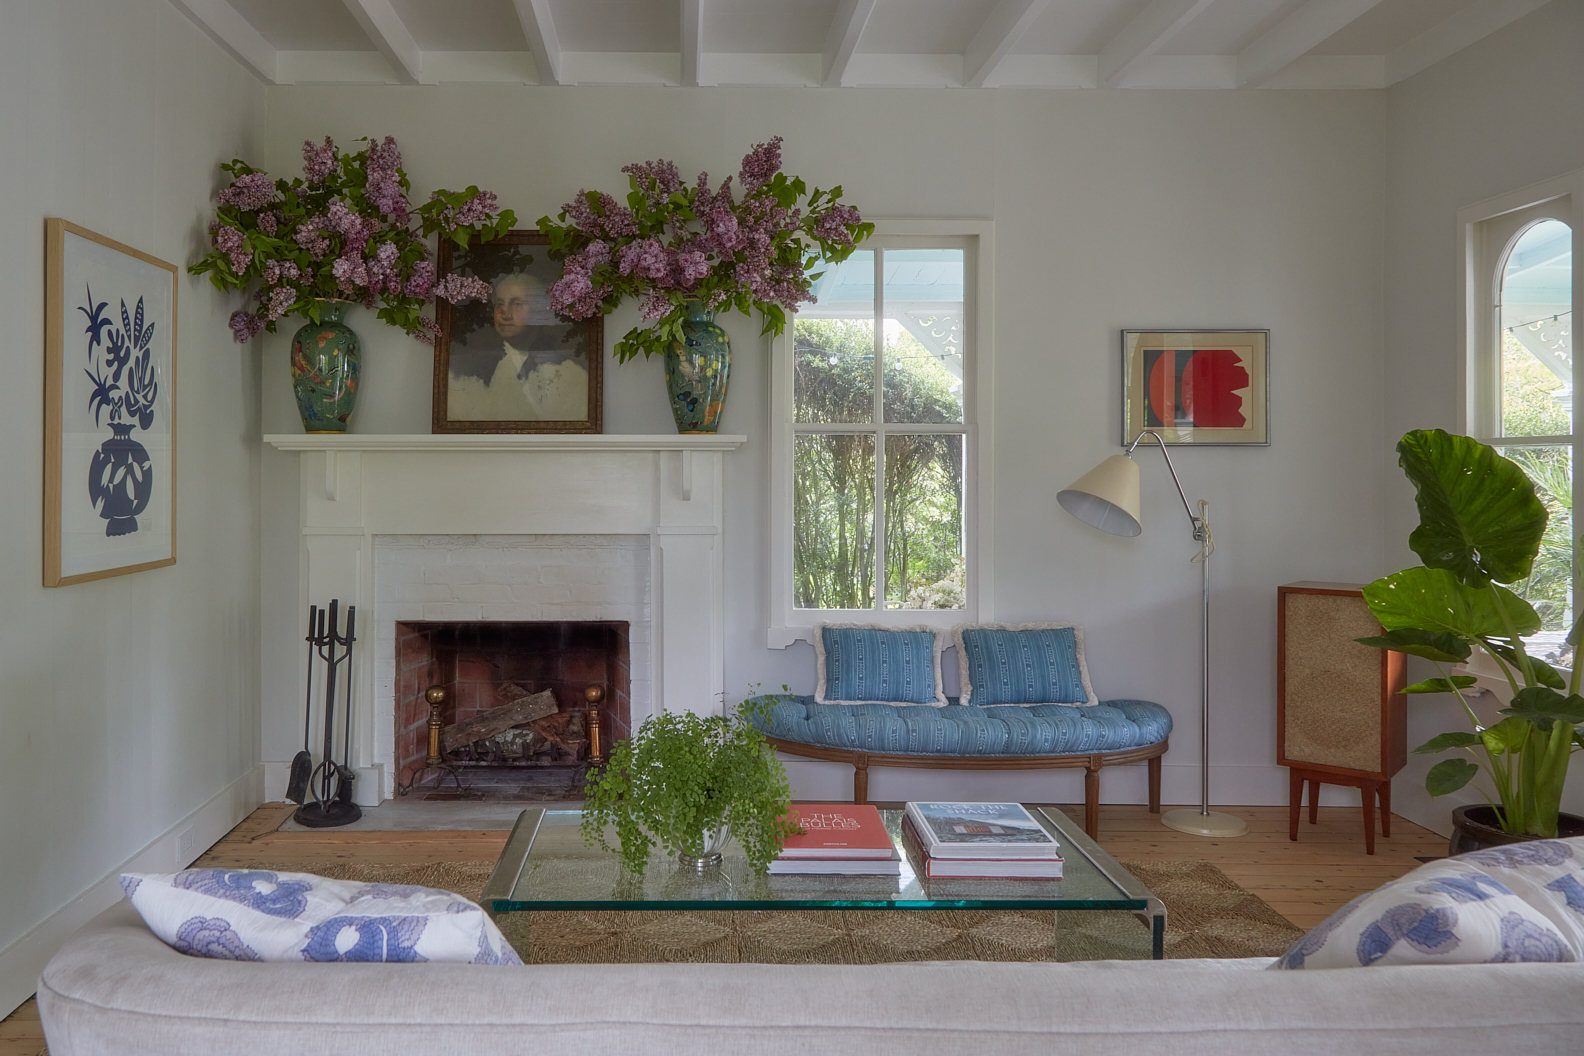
{"x":696,"y":370}
{"x":325,"y":359}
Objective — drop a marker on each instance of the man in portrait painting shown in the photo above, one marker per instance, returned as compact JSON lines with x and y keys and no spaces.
{"x":526,"y":366}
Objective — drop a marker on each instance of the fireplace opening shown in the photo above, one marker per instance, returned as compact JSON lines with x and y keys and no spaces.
{"x":523,"y":703}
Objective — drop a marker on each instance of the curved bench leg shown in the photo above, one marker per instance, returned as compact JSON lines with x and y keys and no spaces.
{"x":860,"y":778}
{"x":1154,"y":784}
{"x":1092,"y":799}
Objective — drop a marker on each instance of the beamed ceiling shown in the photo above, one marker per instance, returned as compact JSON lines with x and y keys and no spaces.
{"x":851,"y":43}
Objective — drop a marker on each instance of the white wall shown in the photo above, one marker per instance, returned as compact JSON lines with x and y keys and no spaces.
{"x":1496,"y":117}
{"x":128,"y":704}
{"x":1113,"y":209}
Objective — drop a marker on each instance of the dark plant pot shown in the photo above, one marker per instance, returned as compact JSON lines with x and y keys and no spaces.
{"x":1474,"y":828}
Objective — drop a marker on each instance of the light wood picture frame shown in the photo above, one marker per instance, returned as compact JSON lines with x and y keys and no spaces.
{"x":109,"y":407}
{"x":1205,"y":388}
{"x":510,"y":364}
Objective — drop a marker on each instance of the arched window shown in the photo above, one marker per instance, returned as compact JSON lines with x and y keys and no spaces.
{"x":1525,"y":356}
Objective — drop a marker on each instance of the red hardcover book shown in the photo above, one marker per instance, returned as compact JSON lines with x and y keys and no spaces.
{"x":837,"y":830}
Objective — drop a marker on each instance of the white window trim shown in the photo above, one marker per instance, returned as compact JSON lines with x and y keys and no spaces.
{"x":1476,"y":302}
{"x":788,"y":624}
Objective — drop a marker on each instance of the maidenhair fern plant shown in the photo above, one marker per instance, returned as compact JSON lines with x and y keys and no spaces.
{"x":682,"y":775}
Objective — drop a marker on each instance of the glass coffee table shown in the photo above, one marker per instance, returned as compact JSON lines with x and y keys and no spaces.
{"x":547,"y":866}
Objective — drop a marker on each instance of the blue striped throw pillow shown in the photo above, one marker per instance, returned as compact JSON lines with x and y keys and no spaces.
{"x":1036,"y":663}
{"x":865,"y":664}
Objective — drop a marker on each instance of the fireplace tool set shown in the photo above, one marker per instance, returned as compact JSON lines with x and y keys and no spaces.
{"x":325,"y":791}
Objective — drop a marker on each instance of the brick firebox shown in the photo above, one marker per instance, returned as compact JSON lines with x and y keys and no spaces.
{"x":472,"y":659}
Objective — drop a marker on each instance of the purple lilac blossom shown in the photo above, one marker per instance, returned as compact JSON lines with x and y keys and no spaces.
{"x":656,"y":306}
{"x":318,"y":161}
{"x":421,"y":283}
{"x":476,"y":210}
{"x":244,"y":325}
{"x":656,"y":179}
{"x":761,"y":163}
{"x":280,"y":299}
{"x":269,"y":223}
{"x":459,"y":289}
{"x":426,"y":330}
{"x":231,"y":241}
{"x":310,"y":236}
{"x":384,"y":180}
{"x":249,"y":193}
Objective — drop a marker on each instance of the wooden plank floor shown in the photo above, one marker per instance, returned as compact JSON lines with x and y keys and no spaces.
{"x":1305,"y":881}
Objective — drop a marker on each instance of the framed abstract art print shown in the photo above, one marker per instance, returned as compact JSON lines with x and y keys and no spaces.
{"x":1200,"y":387}
{"x":510,"y":364}
{"x":109,"y":408}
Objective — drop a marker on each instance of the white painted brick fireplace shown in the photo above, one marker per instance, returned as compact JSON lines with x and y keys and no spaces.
{"x":516,"y":528}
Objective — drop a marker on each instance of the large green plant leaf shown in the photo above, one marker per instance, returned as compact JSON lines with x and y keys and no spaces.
{"x":1442,"y":685}
{"x":1439,"y":646}
{"x":1479,"y":516}
{"x":1442,"y":741}
{"x":1433,"y":599}
{"x":1449,"y":775}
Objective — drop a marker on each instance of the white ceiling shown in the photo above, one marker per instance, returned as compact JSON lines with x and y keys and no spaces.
{"x":852,"y":43}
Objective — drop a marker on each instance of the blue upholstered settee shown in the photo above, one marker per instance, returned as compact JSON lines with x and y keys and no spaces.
{"x":966,"y":737}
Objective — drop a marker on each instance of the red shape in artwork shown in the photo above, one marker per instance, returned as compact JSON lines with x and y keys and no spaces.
{"x":1163,"y":389}
{"x":1209,"y":389}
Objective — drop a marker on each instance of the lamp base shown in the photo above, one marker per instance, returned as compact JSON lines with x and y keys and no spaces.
{"x":1200,"y":823}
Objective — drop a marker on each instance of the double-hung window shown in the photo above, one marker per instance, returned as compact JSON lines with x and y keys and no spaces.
{"x":1521,"y":293}
{"x":878,"y":394}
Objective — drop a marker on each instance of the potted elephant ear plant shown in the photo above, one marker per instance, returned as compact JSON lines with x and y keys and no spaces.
{"x":686,"y":782}
{"x":1480,"y":527}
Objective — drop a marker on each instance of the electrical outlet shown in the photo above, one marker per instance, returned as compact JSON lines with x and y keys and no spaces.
{"x":184,"y":847}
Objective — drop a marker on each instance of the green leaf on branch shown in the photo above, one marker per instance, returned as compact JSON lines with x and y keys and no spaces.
{"x":1442,"y":685}
{"x":1508,"y":735}
{"x":1479,"y":516}
{"x":1544,"y":673}
{"x":1449,"y":775}
{"x":1542,"y":706}
{"x":1444,"y":741}
{"x":1433,"y":600}
{"x":1439,"y":646}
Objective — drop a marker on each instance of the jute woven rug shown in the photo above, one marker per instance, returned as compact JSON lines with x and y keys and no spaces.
{"x":1207,"y":915}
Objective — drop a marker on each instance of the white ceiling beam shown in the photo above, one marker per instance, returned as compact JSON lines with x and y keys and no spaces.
{"x":1150,"y":31}
{"x":1001,"y":29}
{"x":1444,"y":39}
{"x":692,"y":41}
{"x":235,"y":34}
{"x":390,"y":35}
{"x":1295,"y":36}
{"x":539,"y":27}
{"x":846,"y":27}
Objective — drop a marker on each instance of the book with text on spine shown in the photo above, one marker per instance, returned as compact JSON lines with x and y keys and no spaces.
{"x":837,"y":830}
{"x":979,"y":830}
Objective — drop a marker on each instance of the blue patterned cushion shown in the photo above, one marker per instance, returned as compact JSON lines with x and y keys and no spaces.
{"x":863,"y":663}
{"x":1035,"y":663}
{"x":260,"y":915}
{"x":1523,"y":902}
{"x":964,"y":729}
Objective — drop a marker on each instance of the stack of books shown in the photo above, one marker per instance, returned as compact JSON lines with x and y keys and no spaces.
{"x":981,"y":840}
{"x":838,"y":839}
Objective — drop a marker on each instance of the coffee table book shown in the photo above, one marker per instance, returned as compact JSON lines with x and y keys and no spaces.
{"x":976,"y":868}
{"x":837,"y":830}
{"x":979,"y":830}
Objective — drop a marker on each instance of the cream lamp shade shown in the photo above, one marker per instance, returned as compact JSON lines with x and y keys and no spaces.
{"x":1106,"y":497}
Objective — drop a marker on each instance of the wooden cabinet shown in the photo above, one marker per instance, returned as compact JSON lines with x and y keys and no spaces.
{"x":1341,"y":717}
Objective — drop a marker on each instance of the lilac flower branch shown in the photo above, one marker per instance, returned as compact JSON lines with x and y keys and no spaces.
{"x":671,"y":243}
{"x":345,"y":230}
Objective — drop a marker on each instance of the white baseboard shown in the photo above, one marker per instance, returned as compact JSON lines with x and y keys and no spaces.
{"x":23,"y":960}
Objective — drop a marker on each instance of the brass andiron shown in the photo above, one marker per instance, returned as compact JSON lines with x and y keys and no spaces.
{"x":594,"y":694}
{"x":436,"y":696}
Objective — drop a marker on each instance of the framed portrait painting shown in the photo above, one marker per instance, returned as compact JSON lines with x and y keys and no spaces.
{"x":511,"y":365}
{"x":109,"y":408}
{"x":1201,"y":387}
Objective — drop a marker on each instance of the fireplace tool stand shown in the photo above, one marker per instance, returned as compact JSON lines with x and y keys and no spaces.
{"x":436,"y":696}
{"x":330,"y":783}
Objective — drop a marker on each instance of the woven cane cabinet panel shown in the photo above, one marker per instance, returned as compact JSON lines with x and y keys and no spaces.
{"x":1339,"y":705}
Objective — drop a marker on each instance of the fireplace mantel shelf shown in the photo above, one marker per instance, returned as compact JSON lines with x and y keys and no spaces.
{"x":432,"y":443}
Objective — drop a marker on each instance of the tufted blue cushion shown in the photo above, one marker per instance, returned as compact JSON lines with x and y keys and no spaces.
{"x":965,"y":729}
{"x":863,"y":663}
{"x":1036,"y":663}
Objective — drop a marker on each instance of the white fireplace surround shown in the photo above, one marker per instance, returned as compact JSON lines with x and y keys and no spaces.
{"x":384,"y":516}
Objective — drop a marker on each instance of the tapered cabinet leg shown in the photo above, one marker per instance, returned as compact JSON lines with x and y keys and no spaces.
{"x":1385,"y":802}
{"x":1295,"y":786}
{"x":1314,"y":801}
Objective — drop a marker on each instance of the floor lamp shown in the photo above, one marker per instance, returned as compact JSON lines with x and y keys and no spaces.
{"x":1107,"y":498}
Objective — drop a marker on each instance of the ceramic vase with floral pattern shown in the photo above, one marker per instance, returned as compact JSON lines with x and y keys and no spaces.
{"x":325,"y":360}
{"x":696,"y":370}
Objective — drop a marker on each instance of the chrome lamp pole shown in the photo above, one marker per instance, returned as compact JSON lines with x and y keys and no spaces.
{"x":1107,"y":498}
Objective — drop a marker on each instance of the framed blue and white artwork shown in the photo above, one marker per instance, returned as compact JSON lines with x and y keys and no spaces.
{"x":109,"y":408}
